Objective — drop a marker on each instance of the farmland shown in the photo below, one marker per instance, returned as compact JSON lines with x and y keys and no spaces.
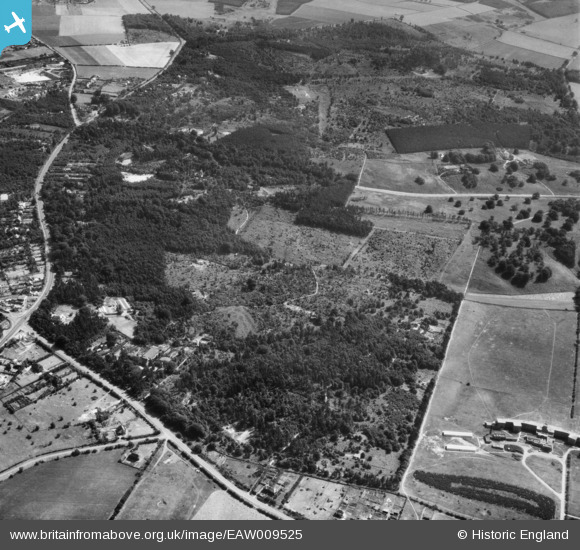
{"x":170,"y":489}
{"x":433,"y":138}
{"x":562,"y":30}
{"x":81,"y":487}
{"x":502,"y":362}
{"x":221,"y":506}
{"x":553,"y":9}
{"x":401,"y":173}
{"x":573,"y":500}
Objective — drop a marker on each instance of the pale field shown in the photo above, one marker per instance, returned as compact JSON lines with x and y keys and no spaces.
{"x":198,"y":9}
{"x":110,"y":7}
{"x":316,"y":499}
{"x":561,"y":30}
{"x":445,"y":15}
{"x":504,"y":51}
{"x":464,"y":33}
{"x":169,"y":489}
{"x":73,"y":25}
{"x":399,"y":174}
{"x":144,"y":55}
{"x":535,"y":44}
{"x":221,"y":506}
{"x":108,"y":73}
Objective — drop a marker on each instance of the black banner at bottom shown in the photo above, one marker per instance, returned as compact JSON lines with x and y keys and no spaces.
{"x":355,"y":535}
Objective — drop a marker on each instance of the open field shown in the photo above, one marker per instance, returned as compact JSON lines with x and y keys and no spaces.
{"x":464,"y":33}
{"x":501,"y":362}
{"x":170,"y":489}
{"x":108,"y":73}
{"x":82,"y":487}
{"x":561,"y":30}
{"x":553,"y":9}
{"x":535,"y":44}
{"x":155,"y":55}
{"x":198,"y":9}
{"x":220,"y":505}
{"x":274,"y":229}
{"x":573,"y":501}
{"x":509,"y":53}
{"x":414,"y":255}
{"x":546,"y":468}
{"x":75,"y":25}
{"x":104,"y":7}
{"x":400,"y":173}
{"x":506,"y":362}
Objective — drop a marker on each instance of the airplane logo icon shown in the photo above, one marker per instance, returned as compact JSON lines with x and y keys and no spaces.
{"x":18,"y":22}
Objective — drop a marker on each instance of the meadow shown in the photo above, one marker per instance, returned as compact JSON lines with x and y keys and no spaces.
{"x":169,"y":489}
{"x":82,"y":487}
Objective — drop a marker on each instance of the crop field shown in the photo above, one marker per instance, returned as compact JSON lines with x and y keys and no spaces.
{"x":287,"y":7}
{"x":509,"y":53}
{"x":547,"y":469}
{"x":464,"y":33}
{"x":411,"y":254}
{"x":221,"y":506}
{"x":573,"y":499}
{"x":535,"y":44}
{"x":553,"y":9}
{"x":561,"y":30}
{"x":170,"y":489}
{"x":111,"y":73}
{"x":74,"y":25}
{"x":12,"y":55}
{"x":501,"y":362}
{"x":198,"y":9}
{"x":274,"y":229}
{"x":154,"y":55}
{"x":457,"y":136}
{"x":400,"y":173}
{"x":107,"y":7}
{"x":82,"y":487}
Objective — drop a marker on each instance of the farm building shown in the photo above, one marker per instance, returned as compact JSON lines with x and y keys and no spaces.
{"x":448,"y":433}
{"x":464,"y":448}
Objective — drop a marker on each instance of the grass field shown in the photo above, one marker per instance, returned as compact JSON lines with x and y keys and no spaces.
{"x":573,"y":501}
{"x":74,"y":25}
{"x":36,"y":436}
{"x":561,"y":30}
{"x":220,"y":506}
{"x":170,"y":489}
{"x":506,"y":362}
{"x":547,"y":469}
{"x":198,"y":9}
{"x":108,"y":73}
{"x":464,"y":33}
{"x":535,"y":44}
{"x":274,"y":229}
{"x":400,"y":173}
{"x":501,"y":362}
{"x":82,"y":487}
{"x":509,"y":53}
{"x":553,"y":9}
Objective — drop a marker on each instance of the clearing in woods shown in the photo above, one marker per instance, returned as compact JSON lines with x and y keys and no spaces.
{"x":82,"y":487}
{"x":274,"y":229}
